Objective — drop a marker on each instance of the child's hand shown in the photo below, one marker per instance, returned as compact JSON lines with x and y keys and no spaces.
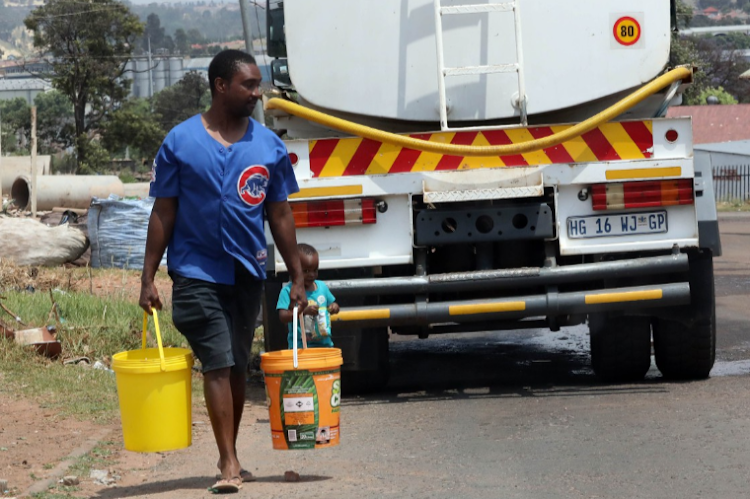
{"x":311,"y":310}
{"x":333,"y":308}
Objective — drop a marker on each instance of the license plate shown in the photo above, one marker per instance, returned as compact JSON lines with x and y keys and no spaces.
{"x":651,"y":222}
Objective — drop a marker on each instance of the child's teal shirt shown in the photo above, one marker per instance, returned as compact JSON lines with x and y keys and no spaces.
{"x":321,"y":297}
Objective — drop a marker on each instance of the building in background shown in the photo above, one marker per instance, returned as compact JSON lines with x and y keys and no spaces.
{"x":166,"y":71}
{"x":28,"y":88}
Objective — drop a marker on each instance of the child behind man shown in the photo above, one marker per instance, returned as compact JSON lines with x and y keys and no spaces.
{"x":321,"y":304}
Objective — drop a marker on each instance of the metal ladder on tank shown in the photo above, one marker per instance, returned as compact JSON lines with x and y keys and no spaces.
{"x":444,"y":72}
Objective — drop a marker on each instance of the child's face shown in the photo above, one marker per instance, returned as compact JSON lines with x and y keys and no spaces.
{"x":309,"y":267}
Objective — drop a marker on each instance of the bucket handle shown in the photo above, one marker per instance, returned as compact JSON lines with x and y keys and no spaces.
{"x":297,"y":319}
{"x":158,"y":336}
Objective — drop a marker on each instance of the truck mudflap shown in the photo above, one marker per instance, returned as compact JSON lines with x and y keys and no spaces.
{"x":550,"y":303}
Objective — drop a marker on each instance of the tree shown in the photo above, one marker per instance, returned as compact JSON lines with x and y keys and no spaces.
{"x":15,"y":130}
{"x":55,"y":123}
{"x":194,"y":37}
{"x":187,"y":97}
{"x":134,"y":125}
{"x":181,"y":41}
{"x":153,"y":31}
{"x":87,"y":43}
{"x":724,"y":65}
{"x":721,"y":95}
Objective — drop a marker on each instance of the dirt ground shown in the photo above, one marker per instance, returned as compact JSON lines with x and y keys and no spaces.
{"x":526,"y":418}
{"x":33,"y":440}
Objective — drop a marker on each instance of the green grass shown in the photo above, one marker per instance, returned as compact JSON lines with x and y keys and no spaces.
{"x":733,"y":205}
{"x":93,"y":327}
{"x":98,"y":458}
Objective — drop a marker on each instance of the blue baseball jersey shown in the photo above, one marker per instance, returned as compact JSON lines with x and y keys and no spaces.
{"x":221,"y":191}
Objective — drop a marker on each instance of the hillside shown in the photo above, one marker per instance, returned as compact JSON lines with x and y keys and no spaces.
{"x":203,"y":22}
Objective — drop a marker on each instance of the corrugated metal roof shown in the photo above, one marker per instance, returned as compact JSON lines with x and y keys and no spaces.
{"x":716,"y":123}
{"x":23,"y":84}
{"x":739,"y":147}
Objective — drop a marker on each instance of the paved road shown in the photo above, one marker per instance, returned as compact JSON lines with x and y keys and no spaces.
{"x":501,"y":415}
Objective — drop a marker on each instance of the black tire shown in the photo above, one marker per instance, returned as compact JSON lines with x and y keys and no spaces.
{"x":685,"y":349}
{"x":366,"y":359}
{"x":620,"y":347}
{"x":274,"y":332}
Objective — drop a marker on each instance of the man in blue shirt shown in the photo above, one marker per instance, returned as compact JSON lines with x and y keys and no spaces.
{"x":212,"y":179}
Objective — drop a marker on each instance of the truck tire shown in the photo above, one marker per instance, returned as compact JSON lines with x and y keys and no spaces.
{"x":685,"y":349}
{"x":366,"y":359}
{"x":620,"y":347}
{"x":274,"y":332}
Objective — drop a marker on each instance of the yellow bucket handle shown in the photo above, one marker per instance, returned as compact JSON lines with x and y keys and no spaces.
{"x":158,"y":336}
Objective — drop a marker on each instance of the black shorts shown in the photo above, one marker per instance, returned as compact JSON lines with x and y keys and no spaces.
{"x":218,"y":320}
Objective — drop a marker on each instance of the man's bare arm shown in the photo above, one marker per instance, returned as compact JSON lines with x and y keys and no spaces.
{"x":281,"y":221}
{"x":160,"y":228}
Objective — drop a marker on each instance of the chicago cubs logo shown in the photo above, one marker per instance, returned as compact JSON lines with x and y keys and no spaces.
{"x":252,"y":184}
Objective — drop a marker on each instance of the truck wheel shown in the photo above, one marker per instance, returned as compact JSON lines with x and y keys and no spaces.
{"x":686,"y":349}
{"x":620,"y":347}
{"x":274,"y":332}
{"x":365,"y":353}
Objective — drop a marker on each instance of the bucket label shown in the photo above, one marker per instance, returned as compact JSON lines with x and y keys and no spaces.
{"x":304,"y":408}
{"x":299,"y":409}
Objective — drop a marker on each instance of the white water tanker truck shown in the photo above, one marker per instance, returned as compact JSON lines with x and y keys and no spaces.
{"x":496,"y":166}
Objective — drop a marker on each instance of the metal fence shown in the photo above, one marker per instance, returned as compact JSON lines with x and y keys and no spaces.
{"x":732,"y":183}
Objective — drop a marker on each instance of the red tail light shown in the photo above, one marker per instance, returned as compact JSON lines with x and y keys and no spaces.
{"x":618,"y":196}
{"x":337,"y":212}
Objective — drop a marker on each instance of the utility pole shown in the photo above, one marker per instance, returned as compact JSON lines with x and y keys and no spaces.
{"x":33,"y":162}
{"x":150,"y":79}
{"x":245,"y":12}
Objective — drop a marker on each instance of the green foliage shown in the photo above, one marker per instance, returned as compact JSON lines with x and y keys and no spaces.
{"x":719,"y":93}
{"x":133,"y":125}
{"x":210,"y":22}
{"x":15,"y":130}
{"x":179,"y":102}
{"x":153,"y":34}
{"x":683,"y":52}
{"x":127,"y":177}
{"x":55,"y":124}
{"x":684,"y":15}
{"x":92,"y":156}
{"x":94,"y":327}
{"x":64,"y":163}
{"x":730,"y":41}
{"x":89,"y":44}
{"x":181,"y":41}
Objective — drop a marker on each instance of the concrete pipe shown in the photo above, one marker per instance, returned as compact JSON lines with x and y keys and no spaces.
{"x":69,"y":191}
{"x":12,"y":167}
{"x":137,"y":190}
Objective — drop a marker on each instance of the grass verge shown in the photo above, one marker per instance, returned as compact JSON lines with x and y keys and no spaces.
{"x":98,"y":458}
{"x":92,"y":327}
{"x":735,"y":205}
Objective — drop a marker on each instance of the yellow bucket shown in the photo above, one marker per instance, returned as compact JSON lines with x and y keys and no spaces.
{"x":303,"y":402}
{"x":155,"y":392}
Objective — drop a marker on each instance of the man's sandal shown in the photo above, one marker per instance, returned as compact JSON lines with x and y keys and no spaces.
{"x":245,"y":475}
{"x":226,"y":486}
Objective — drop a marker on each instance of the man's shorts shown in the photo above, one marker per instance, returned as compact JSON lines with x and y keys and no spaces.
{"x":218,"y":320}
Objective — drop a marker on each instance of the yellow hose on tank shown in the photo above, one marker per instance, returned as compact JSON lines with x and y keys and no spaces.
{"x":677,"y":74}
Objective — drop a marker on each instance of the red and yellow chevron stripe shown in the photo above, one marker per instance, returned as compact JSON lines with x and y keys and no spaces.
{"x":357,"y":156}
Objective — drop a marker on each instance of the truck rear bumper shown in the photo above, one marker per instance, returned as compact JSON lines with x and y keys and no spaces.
{"x":550,"y":303}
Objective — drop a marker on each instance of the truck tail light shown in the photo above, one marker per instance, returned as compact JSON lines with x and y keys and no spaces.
{"x":336,"y":212}
{"x":650,"y":194}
